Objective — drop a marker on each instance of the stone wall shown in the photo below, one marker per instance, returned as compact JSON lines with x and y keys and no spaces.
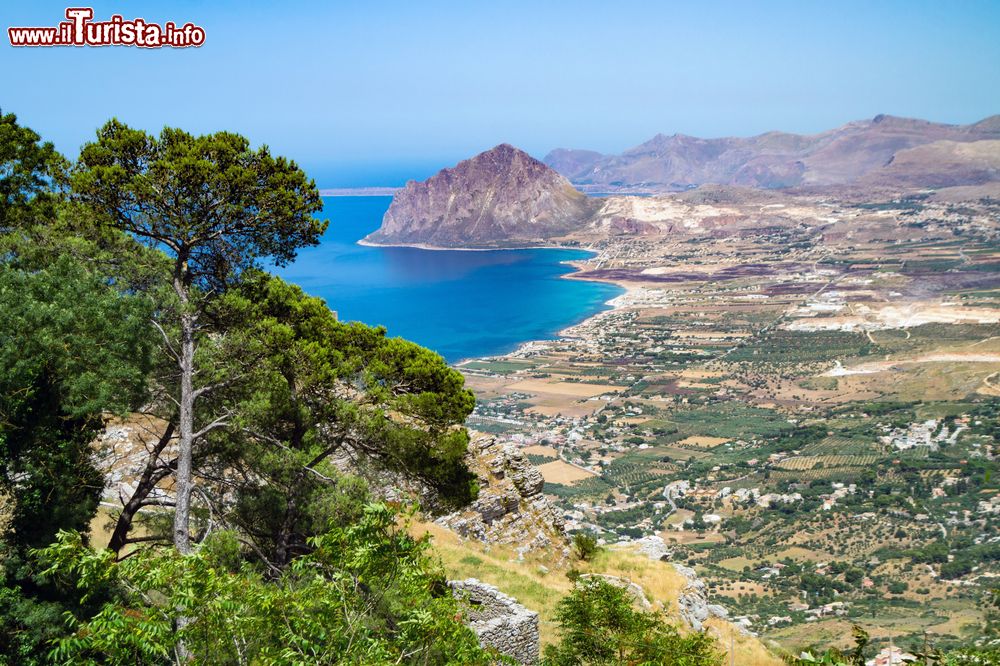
{"x":498,"y":620}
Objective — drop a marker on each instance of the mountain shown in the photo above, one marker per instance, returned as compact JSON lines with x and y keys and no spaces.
{"x":500,"y":197}
{"x":942,"y":164}
{"x":773,"y":160}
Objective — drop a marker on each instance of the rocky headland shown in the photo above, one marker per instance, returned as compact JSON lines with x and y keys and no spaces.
{"x":500,"y":198}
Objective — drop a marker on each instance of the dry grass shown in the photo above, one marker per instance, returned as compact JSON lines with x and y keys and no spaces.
{"x":555,"y":405}
{"x":527,"y":582}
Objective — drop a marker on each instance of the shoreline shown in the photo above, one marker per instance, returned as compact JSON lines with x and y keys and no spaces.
{"x":438,"y":248}
{"x":611,"y":305}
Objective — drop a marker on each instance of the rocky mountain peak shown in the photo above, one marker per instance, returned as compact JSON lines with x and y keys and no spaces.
{"x":500,"y":197}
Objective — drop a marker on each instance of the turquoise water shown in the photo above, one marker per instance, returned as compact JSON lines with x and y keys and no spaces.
{"x":460,"y":304}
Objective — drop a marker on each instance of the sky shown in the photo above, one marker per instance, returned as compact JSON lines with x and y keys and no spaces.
{"x":374,"y":93}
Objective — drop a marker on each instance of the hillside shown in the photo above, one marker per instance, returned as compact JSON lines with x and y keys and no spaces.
{"x":500,"y":197}
{"x":774,"y":159}
{"x":539,"y":586}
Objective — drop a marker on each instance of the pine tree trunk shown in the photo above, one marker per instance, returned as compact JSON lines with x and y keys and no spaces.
{"x":185,"y":428}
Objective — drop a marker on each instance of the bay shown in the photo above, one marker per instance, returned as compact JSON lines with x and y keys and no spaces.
{"x":462,"y":304}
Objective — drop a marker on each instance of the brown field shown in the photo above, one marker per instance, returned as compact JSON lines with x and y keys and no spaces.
{"x":710,"y":335}
{"x":801,"y":554}
{"x":744,"y":587}
{"x":701,"y":441}
{"x":563,"y":473}
{"x":695,"y":385}
{"x":540,"y":450}
{"x":485,"y":387}
{"x":574,"y":389}
{"x":685,"y":537}
{"x":736,"y":563}
{"x":692,"y":373}
{"x":561,"y":405}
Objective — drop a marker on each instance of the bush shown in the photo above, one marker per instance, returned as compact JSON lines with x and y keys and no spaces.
{"x":599,"y":624}
{"x":585,"y":545}
{"x":367,"y":593}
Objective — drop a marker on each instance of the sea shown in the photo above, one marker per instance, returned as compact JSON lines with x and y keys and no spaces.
{"x":461,"y":304}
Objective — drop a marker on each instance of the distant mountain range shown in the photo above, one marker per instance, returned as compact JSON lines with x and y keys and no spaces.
{"x":500,"y":197}
{"x":885,"y":150}
{"x":505,"y":198}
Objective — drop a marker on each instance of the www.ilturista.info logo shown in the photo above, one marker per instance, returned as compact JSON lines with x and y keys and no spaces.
{"x":81,"y":30}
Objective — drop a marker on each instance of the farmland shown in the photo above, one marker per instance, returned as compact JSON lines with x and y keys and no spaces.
{"x":804,"y":418}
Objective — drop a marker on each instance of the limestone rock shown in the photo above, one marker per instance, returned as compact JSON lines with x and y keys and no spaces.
{"x":502,"y":197}
{"x":511,"y":509}
{"x":693,"y":604}
{"x":653,"y":547}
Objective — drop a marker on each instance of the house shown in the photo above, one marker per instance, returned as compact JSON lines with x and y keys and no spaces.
{"x":891,"y":656}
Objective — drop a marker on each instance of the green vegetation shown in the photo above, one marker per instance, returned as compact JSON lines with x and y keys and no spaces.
{"x":584,"y":546}
{"x":365,"y":594}
{"x":599,"y":624}
{"x":136,"y":290}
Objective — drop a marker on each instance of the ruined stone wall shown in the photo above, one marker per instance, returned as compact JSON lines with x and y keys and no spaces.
{"x":498,"y":620}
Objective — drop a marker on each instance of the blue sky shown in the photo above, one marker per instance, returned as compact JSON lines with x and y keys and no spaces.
{"x":375,"y":92}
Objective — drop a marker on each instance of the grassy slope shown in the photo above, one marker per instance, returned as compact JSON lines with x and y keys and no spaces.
{"x":528,"y":583}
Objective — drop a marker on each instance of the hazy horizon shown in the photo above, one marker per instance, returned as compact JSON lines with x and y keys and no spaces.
{"x":375,"y":93}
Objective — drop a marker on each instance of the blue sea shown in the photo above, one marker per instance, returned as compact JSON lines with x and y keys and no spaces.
{"x":460,"y":304}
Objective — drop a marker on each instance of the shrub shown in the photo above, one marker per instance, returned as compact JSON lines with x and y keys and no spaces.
{"x":585,"y":545}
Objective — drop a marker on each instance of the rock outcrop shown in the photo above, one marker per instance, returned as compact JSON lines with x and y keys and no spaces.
{"x":498,"y":620}
{"x":511,"y":509}
{"x":692,"y":603}
{"x":500,"y":198}
{"x":779,"y":160}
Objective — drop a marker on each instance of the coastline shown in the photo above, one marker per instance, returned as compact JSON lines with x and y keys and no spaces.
{"x":439,"y":248}
{"x":611,"y":305}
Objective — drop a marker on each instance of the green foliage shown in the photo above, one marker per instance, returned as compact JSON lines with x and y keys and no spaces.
{"x":27,"y":169}
{"x":585,"y":545}
{"x":599,"y":624}
{"x":317,"y":388}
{"x":217,"y":208}
{"x":210,"y":201}
{"x":367,"y":594}
{"x":71,"y":348}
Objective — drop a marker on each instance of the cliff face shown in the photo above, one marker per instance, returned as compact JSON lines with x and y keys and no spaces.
{"x":502,"y":197}
{"x":772,"y":160}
